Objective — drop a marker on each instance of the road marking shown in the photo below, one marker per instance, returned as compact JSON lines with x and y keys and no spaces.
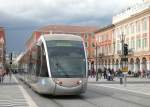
{"x":128,"y":90}
{"x":26,"y":95}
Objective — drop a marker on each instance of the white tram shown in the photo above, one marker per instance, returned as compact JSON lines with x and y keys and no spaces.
{"x":57,"y":65}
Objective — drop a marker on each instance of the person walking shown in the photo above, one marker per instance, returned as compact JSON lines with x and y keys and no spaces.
{"x":99,"y":73}
{"x":105,"y":73}
{"x":10,"y":74}
{"x":2,"y":74}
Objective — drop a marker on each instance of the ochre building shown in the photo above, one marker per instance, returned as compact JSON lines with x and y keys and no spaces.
{"x":133,"y":27}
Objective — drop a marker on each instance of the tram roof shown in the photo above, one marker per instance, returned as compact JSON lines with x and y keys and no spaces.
{"x":62,"y":37}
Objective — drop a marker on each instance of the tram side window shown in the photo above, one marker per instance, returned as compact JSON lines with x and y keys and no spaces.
{"x":33,"y":63}
{"x":38,"y":63}
{"x":44,"y":71}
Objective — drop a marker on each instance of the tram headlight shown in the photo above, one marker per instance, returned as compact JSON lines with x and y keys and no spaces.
{"x":43,"y":82}
{"x":79,"y":82}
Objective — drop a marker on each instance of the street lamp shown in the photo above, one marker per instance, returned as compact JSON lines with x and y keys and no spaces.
{"x":96,"y":61}
{"x":124,"y":53}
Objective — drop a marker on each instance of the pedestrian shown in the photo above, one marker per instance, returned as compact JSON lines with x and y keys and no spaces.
{"x":89,"y":72}
{"x":129,"y":72}
{"x":148,"y":74}
{"x":10,"y":74}
{"x":108,"y":74}
{"x":105,"y":73}
{"x":92,"y":72}
{"x":7,"y":71}
{"x":2,"y":74}
{"x":99,"y":73}
{"x":113,"y":73}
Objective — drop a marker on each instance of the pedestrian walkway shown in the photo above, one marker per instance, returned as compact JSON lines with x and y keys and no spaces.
{"x":135,"y":85}
{"x":131,"y":80}
{"x":12,"y":94}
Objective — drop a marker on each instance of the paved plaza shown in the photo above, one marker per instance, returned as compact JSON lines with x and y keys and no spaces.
{"x":136,"y":85}
{"x":12,"y":94}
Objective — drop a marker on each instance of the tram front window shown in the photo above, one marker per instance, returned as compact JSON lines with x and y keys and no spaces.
{"x":67,"y":61}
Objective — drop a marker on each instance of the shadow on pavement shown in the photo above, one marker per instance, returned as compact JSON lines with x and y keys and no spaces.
{"x":62,"y":96}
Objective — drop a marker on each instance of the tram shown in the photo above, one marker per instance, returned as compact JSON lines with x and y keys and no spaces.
{"x":57,"y":65}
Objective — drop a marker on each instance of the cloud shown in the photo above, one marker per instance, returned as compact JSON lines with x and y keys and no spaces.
{"x":44,"y":11}
{"x":26,"y":15}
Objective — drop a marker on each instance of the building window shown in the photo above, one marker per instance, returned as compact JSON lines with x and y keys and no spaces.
{"x":109,"y":48}
{"x":120,"y":32}
{"x":93,"y":54}
{"x":132,"y":44}
{"x":138,"y":27}
{"x":103,"y":50}
{"x":93,"y":36}
{"x":138,"y":43}
{"x":93,"y":44}
{"x":144,"y":42}
{"x":86,"y":44}
{"x":117,"y":33}
{"x":132,"y":28}
{"x":118,"y":46}
{"x":127,"y":30}
{"x":100,"y":49}
{"x":99,"y":38}
{"x":86,"y":36}
{"x":104,"y":37}
{"x":144,"y":24}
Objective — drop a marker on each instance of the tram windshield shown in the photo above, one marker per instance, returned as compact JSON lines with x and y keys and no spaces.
{"x":67,"y":59}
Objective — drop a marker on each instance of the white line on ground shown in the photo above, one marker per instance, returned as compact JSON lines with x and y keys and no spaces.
{"x":128,"y":90}
{"x":26,"y":95}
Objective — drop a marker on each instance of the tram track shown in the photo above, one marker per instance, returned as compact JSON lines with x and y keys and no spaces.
{"x":55,"y":99}
{"x":115,"y":96}
{"x":92,"y":98}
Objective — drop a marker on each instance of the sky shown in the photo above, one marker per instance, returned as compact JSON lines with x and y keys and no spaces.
{"x":21,"y":17}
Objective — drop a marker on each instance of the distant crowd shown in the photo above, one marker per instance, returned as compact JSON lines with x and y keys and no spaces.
{"x":110,"y":74}
{"x":4,"y":72}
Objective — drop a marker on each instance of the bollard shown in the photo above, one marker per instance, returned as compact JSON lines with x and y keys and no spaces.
{"x":121,"y":80}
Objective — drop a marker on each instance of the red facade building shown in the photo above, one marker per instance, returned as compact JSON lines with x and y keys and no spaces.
{"x":84,"y":31}
{"x":2,"y":46}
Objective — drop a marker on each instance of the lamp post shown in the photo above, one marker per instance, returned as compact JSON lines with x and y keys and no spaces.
{"x":124,"y":53}
{"x":96,"y":62}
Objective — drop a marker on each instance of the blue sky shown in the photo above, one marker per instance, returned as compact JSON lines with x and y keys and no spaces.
{"x":21,"y":17}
